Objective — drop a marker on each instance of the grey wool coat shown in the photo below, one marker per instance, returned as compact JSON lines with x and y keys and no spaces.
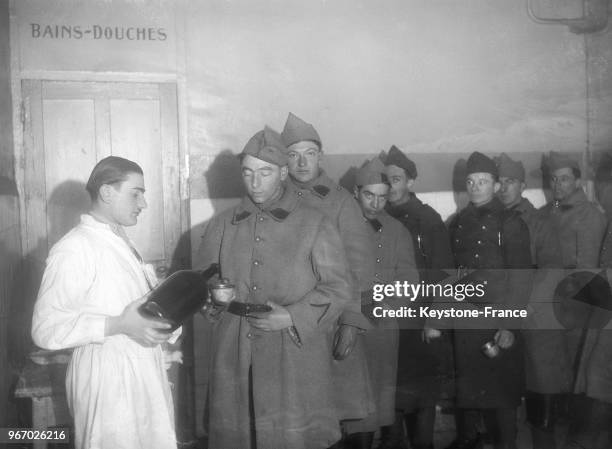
{"x":391,"y":258}
{"x":292,"y":255}
{"x":567,"y":236}
{"x":350,"y":376}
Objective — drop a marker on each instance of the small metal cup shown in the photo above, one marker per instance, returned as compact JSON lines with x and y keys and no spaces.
{"x":222,"y":291}
{"x":490,"y":349}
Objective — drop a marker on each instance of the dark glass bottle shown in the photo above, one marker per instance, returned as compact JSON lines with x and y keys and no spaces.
{"x":179,"y":296}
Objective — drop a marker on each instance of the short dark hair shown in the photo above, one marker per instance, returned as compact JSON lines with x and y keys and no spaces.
{"x":110,"y":170}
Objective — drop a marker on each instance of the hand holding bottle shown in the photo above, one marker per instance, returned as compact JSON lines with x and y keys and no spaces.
{"x":145,"y":331}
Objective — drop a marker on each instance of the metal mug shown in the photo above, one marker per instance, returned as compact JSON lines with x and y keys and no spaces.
{"x":490,"y":349}
{"x":222,"y":291}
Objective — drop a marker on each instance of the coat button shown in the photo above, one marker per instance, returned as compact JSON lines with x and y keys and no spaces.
{"x":249,"y":335}
{"x":258,"y":239}
{"x":479,"y":242}
{"x":254,"y":287}
{"x":377,"y":275}
{"x":256,"y":262}
{"x":378,"y":260}
{"x":300,"y":193}
{"x":380,"y":245}
{"x":476,"y":255}
{"x":483,"y":227}
{"x":261,"y":218}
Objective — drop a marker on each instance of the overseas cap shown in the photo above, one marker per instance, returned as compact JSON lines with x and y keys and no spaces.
{"x":479,"y":163}
{"x":296,"y":130}
{"x":558,"y":160}
{"x":267,"y":146}
{"x":399,"y":159}
{"x":373,"y":172}
{"x":509,"y":168}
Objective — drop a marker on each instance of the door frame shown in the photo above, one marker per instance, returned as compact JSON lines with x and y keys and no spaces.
{"x":19,"y":119}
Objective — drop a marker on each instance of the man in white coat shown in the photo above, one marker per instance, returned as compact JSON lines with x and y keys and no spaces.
{"x":93,"y":284}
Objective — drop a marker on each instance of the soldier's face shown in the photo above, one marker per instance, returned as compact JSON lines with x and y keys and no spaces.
{"x":263,"y":180}
{"x":400,"y":184}
{"x":510,"y":191}
{"x":304,"y":160}
{"x":125,"y":199}
{"x":481,"y":187}
{"x":372,"y":199}
{"x":563,"y":183}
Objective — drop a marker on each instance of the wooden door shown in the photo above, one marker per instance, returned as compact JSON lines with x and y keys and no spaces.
{"x":69,"y":126}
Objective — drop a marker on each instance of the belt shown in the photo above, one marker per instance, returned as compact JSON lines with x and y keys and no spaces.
{"x":247,"y":308}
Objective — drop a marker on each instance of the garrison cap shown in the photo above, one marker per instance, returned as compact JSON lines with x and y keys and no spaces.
{"x":479,"y":163}
{"x":296,"y":130}
{"x":509,"y":168}
{"x":399,"y":159}
{"x":266,"y":145}
{"x":557,"y":160}
{"x":373,"y":172}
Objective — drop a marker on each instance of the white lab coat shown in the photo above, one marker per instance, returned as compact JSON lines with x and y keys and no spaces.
{"x":117,"y":390}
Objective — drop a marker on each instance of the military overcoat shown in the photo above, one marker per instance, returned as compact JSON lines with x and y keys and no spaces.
{"x":424,"y":369}
{"x":391,"y":259}
{"x":292,"y":255}
{"x":350,"y":375}
{"x":567,"y":236}
{"x":490,"y":238}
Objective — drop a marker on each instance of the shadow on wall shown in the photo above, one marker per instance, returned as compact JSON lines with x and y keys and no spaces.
{"x":222,"y":183}
{"x":68,"y":201}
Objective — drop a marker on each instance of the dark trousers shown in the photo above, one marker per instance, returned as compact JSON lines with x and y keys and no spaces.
{"x":500,"y":424}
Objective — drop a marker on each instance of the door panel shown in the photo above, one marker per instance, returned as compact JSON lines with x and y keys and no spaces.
{"x":69,"y":141}
{"x":69,"y":126}
{"x":136,"y":136}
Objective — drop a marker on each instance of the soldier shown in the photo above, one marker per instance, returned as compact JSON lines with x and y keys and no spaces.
{"x":391,"y":258}
{"x":486,"y":237}
{"x":512,"y":185}
{"x":309,"y":182}
{"x":419,"y":384}
{"x":270,"y":376}
{"x":569,"y":235}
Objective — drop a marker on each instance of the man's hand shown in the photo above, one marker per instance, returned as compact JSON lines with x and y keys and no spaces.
{"x":131,"y":323}
{"x":275,"y":320}
{"x":430,"y":334}
{"x":504,"y":338}
{"x":344,"y":341}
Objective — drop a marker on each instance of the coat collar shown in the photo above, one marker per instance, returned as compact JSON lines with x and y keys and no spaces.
{"x":410,"y":207}
{"x":375,"y":223}
{"x":523,"y":206}
{"x":572,"y":200}
{"x":279,"y":210}
{"x":495,"y":205}
{"x":320,"y":186}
